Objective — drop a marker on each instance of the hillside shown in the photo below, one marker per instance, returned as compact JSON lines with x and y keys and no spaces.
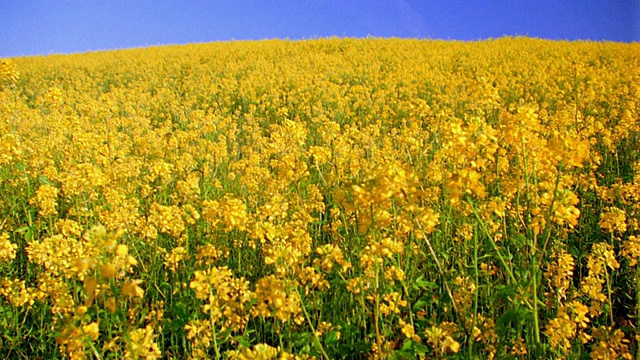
{"x":330,"y":198}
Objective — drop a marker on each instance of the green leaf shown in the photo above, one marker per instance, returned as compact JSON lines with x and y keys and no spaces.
{"x":21,"y":229}
{"x":420,"y":349}
{"x":316,"y":344}
{"x":413,"y":348}
{"x":420,"y":284}
{"x":332,"y":337}
{"x":242,"y":341}
{"x":509,"y":317}
{"x":506,"y":293}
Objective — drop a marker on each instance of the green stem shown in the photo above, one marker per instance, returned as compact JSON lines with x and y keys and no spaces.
{"x":608,"y":281}
{"x":313,"y":328}
{"x":457,"y":314}
{"x":94,"y":350}
{"x":213,"y":329}
{"x":440,"y":270}
{"x":547,"y":229}
{"x":475,"y":295}
{"x":501,"y":259}
{"x":503,"y":262}
{"x":376,"y":314}
{"x":534,"y":280}
{"x":637,"y":308}
{"x":324,"y":182}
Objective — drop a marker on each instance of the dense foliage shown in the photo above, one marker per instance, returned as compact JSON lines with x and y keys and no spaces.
{"x":332,"y":198}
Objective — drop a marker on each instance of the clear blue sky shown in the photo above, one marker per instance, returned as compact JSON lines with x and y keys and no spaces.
{"x":31,"y":27}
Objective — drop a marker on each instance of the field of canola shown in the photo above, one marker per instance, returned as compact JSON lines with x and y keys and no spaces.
{"x":331,"y":198}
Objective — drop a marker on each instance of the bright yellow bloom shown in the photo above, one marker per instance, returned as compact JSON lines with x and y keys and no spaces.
{"x":46,"y":199}
{"x":7,"y":248}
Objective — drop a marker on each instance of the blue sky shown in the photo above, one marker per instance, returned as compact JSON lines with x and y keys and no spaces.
{"x":32,"y":27}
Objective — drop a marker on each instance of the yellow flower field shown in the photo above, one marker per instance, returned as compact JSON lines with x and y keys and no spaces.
{"x":330,"y":198}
